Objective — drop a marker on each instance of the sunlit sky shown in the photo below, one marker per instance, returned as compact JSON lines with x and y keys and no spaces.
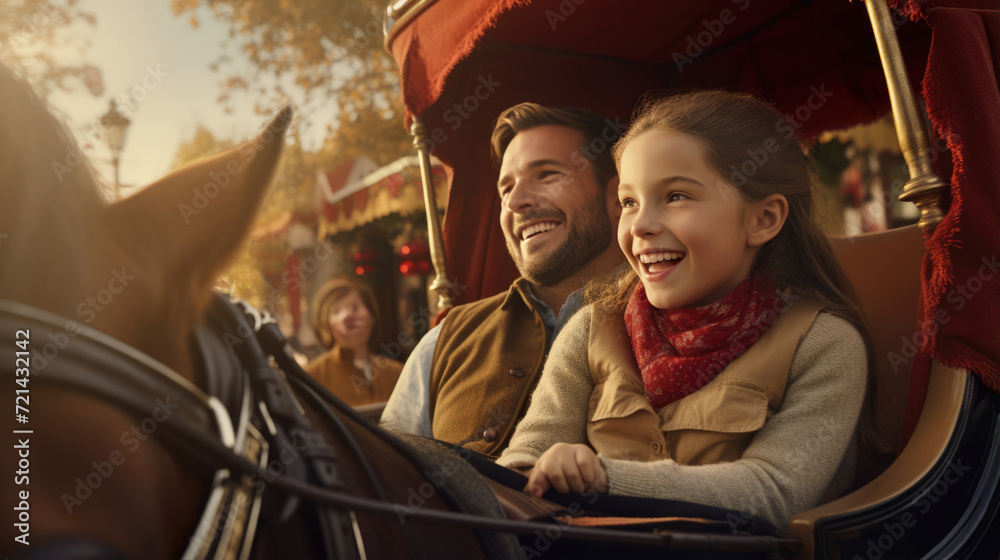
{"x":141,"y":43}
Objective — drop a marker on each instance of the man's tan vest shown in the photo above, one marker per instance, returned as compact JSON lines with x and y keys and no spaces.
{"x":712,"y":425}
{"x":488,"y":358}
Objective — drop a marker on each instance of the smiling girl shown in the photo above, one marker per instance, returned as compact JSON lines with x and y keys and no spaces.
{"x":725,"y":365}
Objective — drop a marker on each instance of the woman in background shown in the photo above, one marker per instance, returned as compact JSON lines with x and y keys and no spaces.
{"x":346,"y":320}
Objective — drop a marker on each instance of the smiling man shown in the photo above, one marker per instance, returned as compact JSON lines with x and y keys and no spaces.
{"x":469,"y":379}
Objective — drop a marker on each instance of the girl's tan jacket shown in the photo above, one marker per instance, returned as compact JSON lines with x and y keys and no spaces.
{"x":711,"y":425}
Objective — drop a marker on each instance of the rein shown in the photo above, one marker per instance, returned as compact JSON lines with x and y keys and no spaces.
{"x":100,"y":365}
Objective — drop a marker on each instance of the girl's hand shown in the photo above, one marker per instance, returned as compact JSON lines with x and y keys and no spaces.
{"x":567,"y":468}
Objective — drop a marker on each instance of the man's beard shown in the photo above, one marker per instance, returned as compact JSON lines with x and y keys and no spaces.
{"x":589,"y":235}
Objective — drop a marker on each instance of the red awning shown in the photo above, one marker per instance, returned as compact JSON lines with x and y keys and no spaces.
{"x":356,"y":192}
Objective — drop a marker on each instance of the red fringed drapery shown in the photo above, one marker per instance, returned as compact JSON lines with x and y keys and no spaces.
{"x":961,"y":274}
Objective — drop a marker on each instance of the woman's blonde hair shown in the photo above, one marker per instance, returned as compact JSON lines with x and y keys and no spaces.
{"x":330,"y":293}
{"x":750,"y":144}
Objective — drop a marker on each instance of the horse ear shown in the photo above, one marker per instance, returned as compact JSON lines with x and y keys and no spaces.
{"x":186,"y":226}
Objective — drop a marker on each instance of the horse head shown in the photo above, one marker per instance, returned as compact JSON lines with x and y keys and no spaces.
{"x":140,"y":270}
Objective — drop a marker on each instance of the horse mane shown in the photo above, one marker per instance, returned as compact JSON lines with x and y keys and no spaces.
{"x":51,"y":199}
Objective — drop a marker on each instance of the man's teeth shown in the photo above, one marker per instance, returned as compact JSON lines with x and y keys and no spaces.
{"x":650,"y":258}
{"x":537,"y":228}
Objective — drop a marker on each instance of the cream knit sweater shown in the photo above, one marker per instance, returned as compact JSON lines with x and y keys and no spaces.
{"x":800,"y":450}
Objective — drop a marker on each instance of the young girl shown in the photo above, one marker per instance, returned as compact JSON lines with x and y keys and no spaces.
{"x":725,"y":366}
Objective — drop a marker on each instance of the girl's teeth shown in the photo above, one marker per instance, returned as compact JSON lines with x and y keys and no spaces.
{"x":657,"y":262}
{"x":652,"y":258}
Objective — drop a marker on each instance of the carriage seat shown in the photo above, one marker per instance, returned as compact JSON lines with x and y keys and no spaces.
{"x":884,"y":268}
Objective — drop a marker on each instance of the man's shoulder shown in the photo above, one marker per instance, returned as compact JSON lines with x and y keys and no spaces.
{"x":479,"y":309}
{"x":490,"y":302}
{"x":476,"y":313}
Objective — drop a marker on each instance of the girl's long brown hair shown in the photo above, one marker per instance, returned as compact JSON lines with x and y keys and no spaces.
{"x":749,"y":143}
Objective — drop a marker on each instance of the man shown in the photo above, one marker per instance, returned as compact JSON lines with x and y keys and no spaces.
{"x":469,"y":379}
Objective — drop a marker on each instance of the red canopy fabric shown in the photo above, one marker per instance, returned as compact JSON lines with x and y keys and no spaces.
{"x":464,"y":61}
{"x":959,"y":323}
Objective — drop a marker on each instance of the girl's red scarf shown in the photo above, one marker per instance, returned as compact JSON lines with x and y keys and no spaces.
{"x":680,"y":350}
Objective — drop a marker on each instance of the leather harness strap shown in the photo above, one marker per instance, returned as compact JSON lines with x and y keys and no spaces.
{"x":202,"y":428}
{"x":289,"y":428}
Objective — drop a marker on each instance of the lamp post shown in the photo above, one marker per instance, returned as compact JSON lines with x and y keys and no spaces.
{"x":115,"y":124}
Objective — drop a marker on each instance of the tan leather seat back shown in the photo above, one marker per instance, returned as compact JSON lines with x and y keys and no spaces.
{"x":885,"y":270}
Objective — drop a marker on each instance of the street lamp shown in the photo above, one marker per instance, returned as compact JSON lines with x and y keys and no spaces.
{"x":115,"y":124}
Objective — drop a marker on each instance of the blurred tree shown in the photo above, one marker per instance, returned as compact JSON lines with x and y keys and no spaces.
{"x":33,"y":43}
{"x":201,"y":144}
{"x":290,"y":193}
{"x":331,"y":50}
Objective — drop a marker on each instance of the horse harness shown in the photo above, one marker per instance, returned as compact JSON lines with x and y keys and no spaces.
{"x":248,"y":408}
{"x":248,"y":420}
{"x":250,"y":428}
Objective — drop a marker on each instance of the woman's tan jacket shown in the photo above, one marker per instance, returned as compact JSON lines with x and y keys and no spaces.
{"x":711,"y":425}
{"x":336,"y":371}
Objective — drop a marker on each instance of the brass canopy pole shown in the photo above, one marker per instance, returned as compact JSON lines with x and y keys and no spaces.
{"x":441,"y":284}
{"x":924,"y":187}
